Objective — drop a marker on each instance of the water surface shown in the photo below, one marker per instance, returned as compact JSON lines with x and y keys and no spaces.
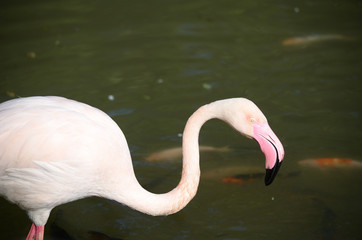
{"x":150,"y":64}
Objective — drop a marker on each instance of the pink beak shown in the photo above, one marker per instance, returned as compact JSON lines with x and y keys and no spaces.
{"x":272,"y":149}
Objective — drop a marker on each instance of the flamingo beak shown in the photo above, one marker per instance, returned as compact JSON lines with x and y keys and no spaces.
{"x":272,"y":149}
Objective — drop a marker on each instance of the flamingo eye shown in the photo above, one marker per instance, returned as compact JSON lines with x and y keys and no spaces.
{"x":252,"y":120}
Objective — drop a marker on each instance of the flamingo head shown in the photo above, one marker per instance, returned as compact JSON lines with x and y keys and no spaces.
{"x":249,"y":120}
{"x":271,"y":147}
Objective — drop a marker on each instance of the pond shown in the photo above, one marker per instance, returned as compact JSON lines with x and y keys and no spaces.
{"x":150,"y":64}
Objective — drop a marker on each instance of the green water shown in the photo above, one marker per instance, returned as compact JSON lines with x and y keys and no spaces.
{"x":160,"y":60}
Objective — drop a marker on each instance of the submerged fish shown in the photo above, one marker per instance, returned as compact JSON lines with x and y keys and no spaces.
{"x":243,"y":178}
{"x":331,"y":163}
{"x":313,"y":38}
{"x":224,"y":172}
{"x":172,"y":154}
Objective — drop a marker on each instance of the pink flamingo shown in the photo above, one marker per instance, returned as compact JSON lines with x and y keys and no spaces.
{"x":54,"y":150}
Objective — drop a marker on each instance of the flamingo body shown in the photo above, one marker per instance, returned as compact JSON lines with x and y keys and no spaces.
{"x":54,"y":150}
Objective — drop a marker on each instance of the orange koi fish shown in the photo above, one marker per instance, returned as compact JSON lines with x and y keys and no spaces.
{"x":313,"y":39}
{"x":331,"y":163}
{"x":173,"y":154}
{"x":242,"y":178}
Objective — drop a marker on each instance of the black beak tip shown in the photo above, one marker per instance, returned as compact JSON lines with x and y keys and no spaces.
{"x":271,"y":173}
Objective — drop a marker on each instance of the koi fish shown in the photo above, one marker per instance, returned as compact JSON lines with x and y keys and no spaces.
{"x":224,"y":172}
{"x":331,"y":163}
{"x":313,"y":39}
{"x":249,"y":177}
{"x":173,"y":154}
{"x":243,"y":178}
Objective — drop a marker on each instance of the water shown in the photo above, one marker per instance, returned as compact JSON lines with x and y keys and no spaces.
{"x":160,"y":60}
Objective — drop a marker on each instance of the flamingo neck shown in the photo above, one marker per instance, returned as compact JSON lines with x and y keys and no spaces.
{"x":164,"y":204}
{"x":190,"y":177}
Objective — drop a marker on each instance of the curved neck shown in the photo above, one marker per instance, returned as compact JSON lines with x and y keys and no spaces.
{"x":135,"y":196}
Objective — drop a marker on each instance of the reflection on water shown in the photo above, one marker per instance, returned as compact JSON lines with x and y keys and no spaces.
{"x":160,"y":60}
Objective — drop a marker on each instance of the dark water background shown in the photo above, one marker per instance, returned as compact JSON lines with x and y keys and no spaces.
{"x":160,"y":60}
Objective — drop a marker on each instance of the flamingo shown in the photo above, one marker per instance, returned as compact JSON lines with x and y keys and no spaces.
{"x":55,"y":150}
